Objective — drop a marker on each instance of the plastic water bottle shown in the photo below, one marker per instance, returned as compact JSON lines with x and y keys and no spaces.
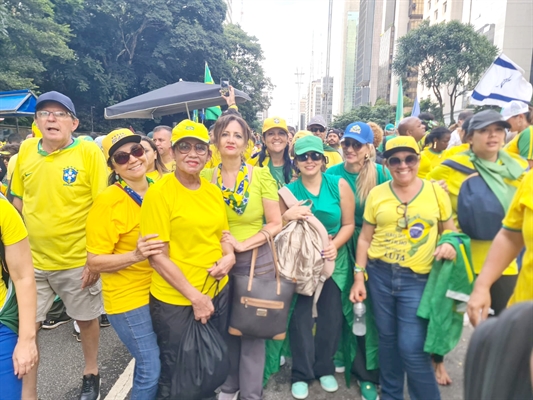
{"x":359,"y":320}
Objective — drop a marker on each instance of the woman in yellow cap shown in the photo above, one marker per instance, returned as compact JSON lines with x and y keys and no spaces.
{"x":155,"y":166}
{"x":251,"y":198}
{"x":191,"y":271}
{"x":115,"y":250}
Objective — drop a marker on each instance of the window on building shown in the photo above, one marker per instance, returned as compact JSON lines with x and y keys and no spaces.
{"x":445,"y":7}
{"x":436,"y":14}
{"x":429,"y":4}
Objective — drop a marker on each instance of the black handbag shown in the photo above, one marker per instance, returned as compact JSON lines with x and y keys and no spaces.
{"x":260,"y":308}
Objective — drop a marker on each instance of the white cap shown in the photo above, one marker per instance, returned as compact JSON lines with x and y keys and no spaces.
{"x":513,"y":109}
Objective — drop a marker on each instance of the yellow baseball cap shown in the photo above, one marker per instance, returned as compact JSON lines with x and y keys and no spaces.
{"x":189,"y":129}
{"x":113,"y":140}
{"x":275,"y":122}
{"x":36,"y":131}
{"x":401,"y":143}
{"x":299,"y":135}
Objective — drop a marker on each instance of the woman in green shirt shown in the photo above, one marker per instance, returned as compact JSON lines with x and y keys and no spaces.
{"x":362,"y":174}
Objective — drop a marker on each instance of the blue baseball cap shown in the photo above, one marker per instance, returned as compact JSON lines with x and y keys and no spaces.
{"x":56,"y":97}
{"x":360,"y":132}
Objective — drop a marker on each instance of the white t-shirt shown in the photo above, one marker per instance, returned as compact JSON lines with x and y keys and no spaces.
{"x":455,"y":140}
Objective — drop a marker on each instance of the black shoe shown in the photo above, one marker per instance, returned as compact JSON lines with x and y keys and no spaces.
{"x":90,"y":389}
{"x":104,"y":322}
{"x":54,"y":323}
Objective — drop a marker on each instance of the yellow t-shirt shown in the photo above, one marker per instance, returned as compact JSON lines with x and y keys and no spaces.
{"x":263,"y":186}
{"x":520,"y":218}
{"x":333,"y":158}
{"x":171,"y":166}
{"x":455,"y":150}
{"x":113,"y":228}
{"x":58,"y":190}
{"x":11,"y":166}
{"x":424,"y":167}
{"x":434,"y":158}
{"x":154,"y":175}
{"x":412,"y":247}
{"x":13,"y":231}
{"x":191,"y":221}
{"x":454,"y":179}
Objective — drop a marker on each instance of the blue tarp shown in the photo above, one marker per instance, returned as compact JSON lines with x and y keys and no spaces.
{"x":17,"y":103}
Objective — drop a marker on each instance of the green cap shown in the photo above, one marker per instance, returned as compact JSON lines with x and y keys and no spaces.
{"x":308,"y":143}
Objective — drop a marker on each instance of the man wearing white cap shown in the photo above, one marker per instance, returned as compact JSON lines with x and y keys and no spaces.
{"x":518,"y":115}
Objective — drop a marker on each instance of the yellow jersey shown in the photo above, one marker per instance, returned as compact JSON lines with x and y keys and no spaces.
{"x":455,"y":150}
{"x":58,"y":190}
{"x":410,"y":245}
{"x":424,"y":166}
{"x":434,"y":158}
{"x":519,"y":218}
{"x":191,"y":221}
{"x":113,"y":228}
{"x":11,"y":166}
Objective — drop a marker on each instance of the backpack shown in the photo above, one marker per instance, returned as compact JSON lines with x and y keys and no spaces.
{"x":479,"y":212}
{"x":299,"y":246}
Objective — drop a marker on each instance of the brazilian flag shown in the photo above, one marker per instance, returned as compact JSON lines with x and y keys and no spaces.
{"x":211,"y":113}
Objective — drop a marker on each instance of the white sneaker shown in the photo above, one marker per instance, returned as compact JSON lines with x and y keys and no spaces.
{"x":340,"y":370}
{"x":282,"y":361}
{"x":228,"y":396}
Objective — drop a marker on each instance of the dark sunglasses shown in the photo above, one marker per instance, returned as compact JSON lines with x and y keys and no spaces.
{"x":315,"y":156}
{"x":410,"y":161}
{"x":314,"y":130}
{"x":351,"y":143}
{"x":121,"y":157}
{"x":186,"y":147}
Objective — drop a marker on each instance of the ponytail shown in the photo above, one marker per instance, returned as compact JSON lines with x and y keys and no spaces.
{"x":367,"y":178}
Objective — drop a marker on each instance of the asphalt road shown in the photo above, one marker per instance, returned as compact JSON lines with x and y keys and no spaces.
{"x":62,"y":364}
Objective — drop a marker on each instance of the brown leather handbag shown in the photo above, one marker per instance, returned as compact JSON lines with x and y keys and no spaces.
{"x":260,"y":307}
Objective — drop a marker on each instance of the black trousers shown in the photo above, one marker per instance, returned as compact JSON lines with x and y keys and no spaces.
{"x":169,"y":323}
{"x":359,"y":364}
{"x":501,"y":291}
{"x":313,"y":357}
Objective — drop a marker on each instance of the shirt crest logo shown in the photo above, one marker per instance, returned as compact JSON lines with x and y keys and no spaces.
{"x":69,"y":175}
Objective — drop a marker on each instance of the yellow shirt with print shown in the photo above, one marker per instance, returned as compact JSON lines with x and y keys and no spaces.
{"x":263,"y":186}
{"x":519,"y":218}
{"x":191,"y":221}
{"x":454,"y":179}
{"x":58,"y":190}
{"x":412,"y":246}
{"x":113,"y":228}
{"x":13,"y":231}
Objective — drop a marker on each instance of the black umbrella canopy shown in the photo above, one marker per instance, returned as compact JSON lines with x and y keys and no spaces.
{"x":172,"y":99}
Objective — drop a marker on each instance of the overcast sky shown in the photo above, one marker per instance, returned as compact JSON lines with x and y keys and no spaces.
{"x":288,"y":31}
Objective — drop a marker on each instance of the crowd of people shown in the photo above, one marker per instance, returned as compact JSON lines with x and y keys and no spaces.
{"x":149,"y":232}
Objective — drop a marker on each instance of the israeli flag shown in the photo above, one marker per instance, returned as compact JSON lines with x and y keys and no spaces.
{"x":502,"y":83}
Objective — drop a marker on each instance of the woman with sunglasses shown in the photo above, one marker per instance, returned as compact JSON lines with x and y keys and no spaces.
{"x":155,"y":167}
{"x":251,"y":198}
{"x":396,"y":247}
{"x":188,"y":216}
{"x":362,"y":174}
{"x":333,"y":204}
{"x":119,"y":255}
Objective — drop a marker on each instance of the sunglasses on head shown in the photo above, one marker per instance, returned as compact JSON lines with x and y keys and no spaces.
{"x":121,"y":157}
{"x":315,"y":156}
{"x":352,"y":143}
{"x":186,"y":147}
{"x":316,"y":129}
{"x":410,"y":161}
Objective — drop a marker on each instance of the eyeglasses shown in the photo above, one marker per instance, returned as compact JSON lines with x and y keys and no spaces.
{"x":410,"y":161}
{"x":403,"y":221}
{"x":121,"y":157}
{"x":186,"y":147}
{"x":315,"y":156}
{"x":316,"y":129}
{"x":57,"y":114}
{"x":346,"y":143}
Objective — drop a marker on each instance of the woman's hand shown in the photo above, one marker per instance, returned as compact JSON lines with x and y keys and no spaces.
{"x":442,"y":183}
{"x":147,"y":247}
{"x":478,"y":305}
{"x":88,"y":278}
{"x":330,"y":252}
{"x":445,"y":251}
{"x":297,"y":211}
{"x":227,"y":237}
{"x":358,"y":291}
{"x":222,"y":266}
{"x":202,"y":307}
{"x":230,"y":99}
{"x":25,"y":356}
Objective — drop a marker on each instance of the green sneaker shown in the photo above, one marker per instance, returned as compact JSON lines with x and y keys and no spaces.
{"x":300,"y":390}
{"x":369,"y":391}
{"x":329,"y":383}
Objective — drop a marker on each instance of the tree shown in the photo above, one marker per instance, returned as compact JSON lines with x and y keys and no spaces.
{"x":380,"y":114}
{"x":450,"y":58}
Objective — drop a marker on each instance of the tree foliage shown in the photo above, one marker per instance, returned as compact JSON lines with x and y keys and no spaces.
{"x":380,"y":114}
{"x":120,"y":49}
{"x":450,"y":58}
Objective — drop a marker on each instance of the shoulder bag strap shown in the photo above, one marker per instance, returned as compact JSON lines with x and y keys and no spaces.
{"x":459,"y":167}
{"x":288,"y":198}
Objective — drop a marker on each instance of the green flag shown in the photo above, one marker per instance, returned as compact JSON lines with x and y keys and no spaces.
{"x":399,"y":104}
{"x":211,"y":113}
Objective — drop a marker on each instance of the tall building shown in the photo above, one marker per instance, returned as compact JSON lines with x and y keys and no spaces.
{"x":364,"y":52}
{"x":314,"y":100}
{"x":326,"y":107}
{"x":229,"y":11}
{"x":349,"y":54}
{"x":302,"y":123}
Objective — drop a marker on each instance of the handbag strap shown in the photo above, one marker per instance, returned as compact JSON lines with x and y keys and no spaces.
{"x":272,"y":246}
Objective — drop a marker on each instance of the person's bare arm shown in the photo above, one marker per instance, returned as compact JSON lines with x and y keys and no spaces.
{"x":18,"y":204}
{"x":347,"y":214}
{"x":20,"y":265}
{"x":363,"y":244}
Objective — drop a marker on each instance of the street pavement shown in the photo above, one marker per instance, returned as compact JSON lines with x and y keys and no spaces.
{"x":61,"y":368}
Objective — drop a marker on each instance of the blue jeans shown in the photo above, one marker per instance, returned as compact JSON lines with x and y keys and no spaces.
{"x":397,"y":292}
{"x":134,"y":328}
{"x":11,"y":386}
